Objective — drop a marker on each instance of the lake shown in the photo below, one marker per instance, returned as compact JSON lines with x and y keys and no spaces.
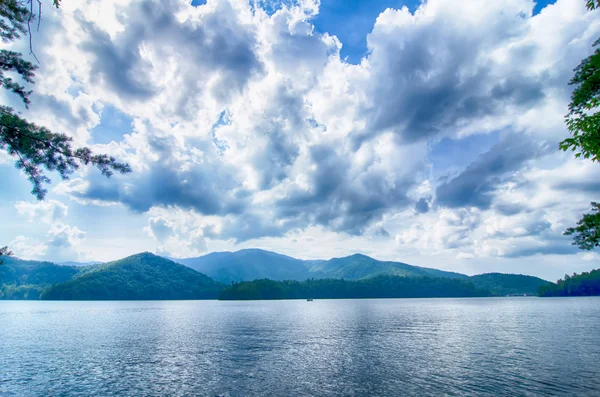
{"x":484,"y":347}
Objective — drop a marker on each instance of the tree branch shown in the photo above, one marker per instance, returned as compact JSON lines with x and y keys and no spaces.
{"x":29,"y":30}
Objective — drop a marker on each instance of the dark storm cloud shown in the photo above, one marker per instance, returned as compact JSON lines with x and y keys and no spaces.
{"x":474,"y":186}
{"x":216,"y":44}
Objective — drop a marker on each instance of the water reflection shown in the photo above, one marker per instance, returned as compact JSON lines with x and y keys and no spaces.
{"x":521,"y":346}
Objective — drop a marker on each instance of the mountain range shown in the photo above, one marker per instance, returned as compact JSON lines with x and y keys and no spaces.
{"x":252,"y":264}
{"x":147,"y":276}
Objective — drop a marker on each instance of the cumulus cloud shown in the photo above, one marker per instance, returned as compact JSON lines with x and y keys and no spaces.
{"x":65,"y":243}
{"x":62,"y":242}
{"x":475,"y":185}
{"x":178,"y":235}
{"x":24,"y":247}
{"x":247,"y":124}
{"x":42,"y":211}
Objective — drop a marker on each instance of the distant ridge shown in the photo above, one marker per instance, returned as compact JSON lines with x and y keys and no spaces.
{"x":148,"y":276}
{"x":253,"y":264}
{"x":78,"y":264}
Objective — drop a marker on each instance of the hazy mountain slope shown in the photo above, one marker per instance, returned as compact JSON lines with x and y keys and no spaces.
{"x":141,"y":276}
{"x":508,"y":284}
{"x":248,"y":264}
{"x":78,"y":264}
{"x":253,"y":264}
{"x":357,"y":266}
{"x":23,"y":279}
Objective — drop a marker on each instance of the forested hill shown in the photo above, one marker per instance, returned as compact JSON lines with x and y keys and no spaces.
{"x":147,"y":276}
{"x":584,"y":284}
{"x":22,"y":279}
{"x":253,"y":264}
{"x":376,"y":287}
{"x":139,"y":277}
{"x":508,"y":284}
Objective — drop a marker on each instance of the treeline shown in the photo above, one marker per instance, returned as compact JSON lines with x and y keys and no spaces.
{"x":584,"y":284}
{"x":18,"y":292}
{"x":377,"y":287}
{"x":20,"y":279}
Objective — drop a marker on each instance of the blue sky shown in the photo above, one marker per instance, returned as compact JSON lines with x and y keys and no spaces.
{"x":280,"y":130}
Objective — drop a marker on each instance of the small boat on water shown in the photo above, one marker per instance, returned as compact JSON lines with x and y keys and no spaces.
{"x":309,"y":300}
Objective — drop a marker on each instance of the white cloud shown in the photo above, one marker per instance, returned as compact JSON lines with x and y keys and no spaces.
{"x":250,"y":128}
{"x":42,"y":211}
{"x":65,"y":243}
{"x":24,"y":247}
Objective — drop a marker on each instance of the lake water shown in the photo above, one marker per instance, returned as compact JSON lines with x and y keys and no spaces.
{"x":489,"y":346}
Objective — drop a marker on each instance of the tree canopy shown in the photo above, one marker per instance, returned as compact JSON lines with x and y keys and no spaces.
{"x":36,"y":148}
{"x":4,"y":251}
{"x":584,"y":284}
{"x":583,"y":122}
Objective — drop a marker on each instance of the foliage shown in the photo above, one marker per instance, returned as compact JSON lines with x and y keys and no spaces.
{"x":583,"y":122}
{"x":376,"y":287}
{"x":13,"y":19}
{"x":142,"y":276}
{"x":35,"y":147}
{"x":501,"y":284}
{"x":20,"y":279}
{"x":592,"y":4}
{"x":584,"y":284}
{"x":587,"y":232}
{"x":4,"y":251}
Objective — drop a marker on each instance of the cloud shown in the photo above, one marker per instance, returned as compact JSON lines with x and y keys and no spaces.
{"x":435,"y":72}
{"x":211,"y":51}
{"x":61,"y":242}
{"x":24,"y":247}
{"x":422,"y":206}
{"x":42,"y":211}
{"x":64,"y":236}
{"x":476,"y":184}
{"x":65,"y":243}
{"x":248,"y":126}
{"x":178,"y":235}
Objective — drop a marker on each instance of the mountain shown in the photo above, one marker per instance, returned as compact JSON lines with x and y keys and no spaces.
{"x":147,"y":276}
{"x":358,"y":266}
{"x":253,"y":264}
{"x":22,"y":279}
{"x":508,"y":284}
{"x":143,"y":276}
{"x":248,"y":264}
{"x":584,"y":284}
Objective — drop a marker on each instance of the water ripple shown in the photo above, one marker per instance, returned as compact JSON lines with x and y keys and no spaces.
{"x":421,"y":347}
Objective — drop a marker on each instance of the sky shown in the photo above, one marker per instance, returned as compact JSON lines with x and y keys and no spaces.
{"x":425,"y":133}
